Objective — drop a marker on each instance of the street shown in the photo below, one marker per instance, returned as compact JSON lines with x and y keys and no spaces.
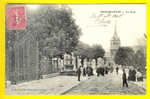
{"x":110,"y":84}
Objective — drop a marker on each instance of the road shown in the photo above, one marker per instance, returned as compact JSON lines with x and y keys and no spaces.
{"x":68,"y":85}
{"x":110,"y":84}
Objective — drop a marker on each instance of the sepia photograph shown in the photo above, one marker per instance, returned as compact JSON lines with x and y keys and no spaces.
{"x":75,"y":49}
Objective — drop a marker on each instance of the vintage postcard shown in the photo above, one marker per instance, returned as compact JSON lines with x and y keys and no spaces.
{"x":75,"y":49}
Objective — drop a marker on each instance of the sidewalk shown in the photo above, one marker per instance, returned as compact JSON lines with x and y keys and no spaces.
{"x":50,"y":86}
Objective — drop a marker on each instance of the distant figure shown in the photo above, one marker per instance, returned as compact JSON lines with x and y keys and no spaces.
{"x":117,"y":69}
{"x":88,"y":71}
{"x":106,"y":70}
{"x":84,"y":71}
{"x":132,"y":75}
{"x":124,"y":78}
{"x":79,"y":73}
{"x":102,"y":71}
{"x":111,"y":69}
{"x":98,"y":71}
{"x":91,"y":71}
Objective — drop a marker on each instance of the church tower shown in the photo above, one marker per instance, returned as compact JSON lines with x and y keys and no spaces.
{"x":115,"y":43}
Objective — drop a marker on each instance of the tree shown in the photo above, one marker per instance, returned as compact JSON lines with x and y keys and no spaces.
{"x":55,"y":29}
{"x":125,"y":56}
{"x":82,"y":50}
{"x":90,"y":52}
{"x":97,"y":52}
{"x":140,"y":60}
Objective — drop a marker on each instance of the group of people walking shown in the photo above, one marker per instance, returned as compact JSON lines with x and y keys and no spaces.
{"x":103,"y":70}
{"x":88,"y":71}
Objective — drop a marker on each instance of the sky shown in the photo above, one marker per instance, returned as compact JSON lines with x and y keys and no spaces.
{"x":98,"y":23}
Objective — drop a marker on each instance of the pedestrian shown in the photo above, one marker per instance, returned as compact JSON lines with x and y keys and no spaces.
{"x":88,"y":71}
{"x":117,"y":69}
{"x":106,"y":70}
{"x":84,"y":71}
{"x":98,"y":71}
{"x":91,"y":71}
{"x":103,"y":71}
{"x":134,"y":75}
{"x":111,"y":69}
{"x":124,"y":78}
{"x":130,"y":75}
{"x":79,"y":73}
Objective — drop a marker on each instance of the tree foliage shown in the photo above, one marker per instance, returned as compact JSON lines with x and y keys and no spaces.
{"x":90,"y":52}
{"x":125,"y":56}
{"x":140,"y":60}
{"x":58,"y":30}
{"x":54,"y":29}
{"x":97,"y":52}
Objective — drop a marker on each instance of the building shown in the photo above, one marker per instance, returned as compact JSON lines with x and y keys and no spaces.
{"x":114,"y":43}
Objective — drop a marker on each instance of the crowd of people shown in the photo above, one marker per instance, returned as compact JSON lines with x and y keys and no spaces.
{"x":127,"y":74}
{"x":88,"y":71}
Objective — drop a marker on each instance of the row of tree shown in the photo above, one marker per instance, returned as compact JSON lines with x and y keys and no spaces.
{"x":126,"y":56}
{"x":89,"y":52}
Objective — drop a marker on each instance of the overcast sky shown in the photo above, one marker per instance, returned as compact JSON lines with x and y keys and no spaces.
{"x":98,"y":26}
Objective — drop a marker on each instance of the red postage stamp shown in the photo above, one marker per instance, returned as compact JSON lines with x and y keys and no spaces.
{"x":16,"y":18}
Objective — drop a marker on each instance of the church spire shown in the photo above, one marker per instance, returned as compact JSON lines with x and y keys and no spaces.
{"x":115,"y":30}
{"x":115,"y":36}
{"x":115,"y":27}
{"x":115,"y":42}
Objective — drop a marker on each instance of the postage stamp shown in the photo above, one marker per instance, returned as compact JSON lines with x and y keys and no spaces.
{"x":16,"y":18}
